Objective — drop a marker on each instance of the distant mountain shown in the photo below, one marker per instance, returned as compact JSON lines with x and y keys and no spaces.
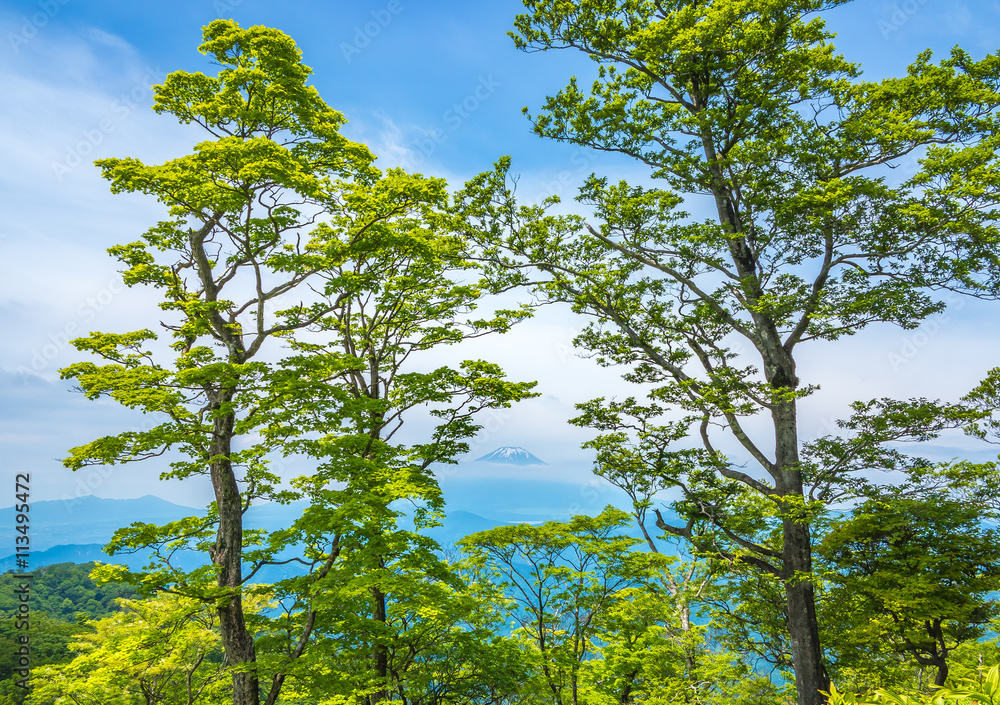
{"x":74,"y":530}
{"x":85,"y":553}
{"x":58,"y":554}
{"x":89,"y":519}
{"x":511,"y":455}
{"x":92,"y":521}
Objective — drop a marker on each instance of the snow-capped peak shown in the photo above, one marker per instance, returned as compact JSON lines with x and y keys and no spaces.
{"x":511,"y":455}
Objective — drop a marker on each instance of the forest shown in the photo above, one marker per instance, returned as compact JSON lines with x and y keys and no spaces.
{"x":305,"y":299}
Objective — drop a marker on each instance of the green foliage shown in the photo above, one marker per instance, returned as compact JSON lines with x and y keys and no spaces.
{"x":53,"y":585}
{"x":305,"y":292}
{"x":910,"y":574}
{"x":440,"y":639}
{"x":748,"y":106}
{"x":559,"y":578}
{"x":986,"y":397}
{"x":165,"y":650}
{"x":603,"y":622}
{"x":982,"y":689}
{"x":646,"y":654}
{"x":62,"y":598}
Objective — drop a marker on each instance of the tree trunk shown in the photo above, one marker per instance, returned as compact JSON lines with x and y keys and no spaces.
{"x":227,"y":554}
{"x":380,"y":656}
{"x":689,"y":651}
{"x":803,"y":628}
{"x":796,"y":556}
{"x":942,"y":675}
{"x":938,"y":656}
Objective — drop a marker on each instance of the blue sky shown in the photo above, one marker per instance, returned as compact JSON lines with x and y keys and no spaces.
{"x":435,"y":86}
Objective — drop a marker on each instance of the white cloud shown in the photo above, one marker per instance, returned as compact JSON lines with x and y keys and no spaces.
{"x":113,"y":41}
{"x":59,"y":216}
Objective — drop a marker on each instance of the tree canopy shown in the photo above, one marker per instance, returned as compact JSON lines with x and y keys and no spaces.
{"x":746,"y":111}
{"x":281,"y":232}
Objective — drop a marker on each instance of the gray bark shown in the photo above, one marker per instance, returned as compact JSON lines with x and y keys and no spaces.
{"x":227,"y":554}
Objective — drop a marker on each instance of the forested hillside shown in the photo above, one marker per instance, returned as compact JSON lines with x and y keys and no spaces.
{"x":561,"y":612}
{"x":63,"y":598}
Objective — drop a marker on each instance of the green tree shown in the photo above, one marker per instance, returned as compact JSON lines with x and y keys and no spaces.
{"x":747,"y":608}
{"x":986,"y":397}
{"x":914,"y":575}
{"x":747,"y":106}
{"x":369,"y":372}
{"x":161,"y":651}
{"x":645,"y":653}
{"x":689,"y":582}
{"x":282,"y":233}
{"x":239,"y":208}
{"x":54,"y":620}
{"x":560,"y":577}
{"x":49,"y":641}
{"x":693,"y":585}
{"x":53,"y":585}
{"x":439,"y":638}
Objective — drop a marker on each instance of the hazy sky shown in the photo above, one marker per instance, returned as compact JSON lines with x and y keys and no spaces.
{"x":434,"y":86}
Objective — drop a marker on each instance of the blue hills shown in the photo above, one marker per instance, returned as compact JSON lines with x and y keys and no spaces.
{"x":77,"y":534}
{"x":75,"y":530}
{"x":89,"y":519}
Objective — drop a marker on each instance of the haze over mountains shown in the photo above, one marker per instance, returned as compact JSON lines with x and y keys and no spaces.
{"x":75,"y":530}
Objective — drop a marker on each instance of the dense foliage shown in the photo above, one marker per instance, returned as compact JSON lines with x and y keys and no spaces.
{"x":745,"y":111}
{"x":62,"y":598}
{"x":563,"y":612}
{"x":304,"y":290}
{"x":62,"y":591}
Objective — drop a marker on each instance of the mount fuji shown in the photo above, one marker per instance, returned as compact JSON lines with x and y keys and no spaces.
{"x":511,"y":455}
